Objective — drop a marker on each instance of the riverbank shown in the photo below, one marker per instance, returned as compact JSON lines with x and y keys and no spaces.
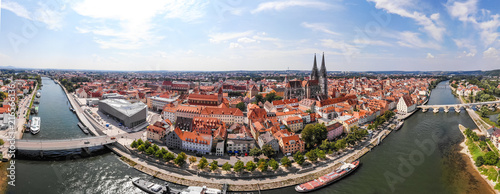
{"x":245,"y":184}
{"x":470,"y":161}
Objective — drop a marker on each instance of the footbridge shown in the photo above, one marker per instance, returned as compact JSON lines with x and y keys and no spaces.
{"x":66,"y":144}
{"x":457,"y":107}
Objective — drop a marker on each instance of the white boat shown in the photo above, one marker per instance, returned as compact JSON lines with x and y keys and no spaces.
{"x":35,"y":125}
{"x":38,"y":94}
{"x":200,"y":190}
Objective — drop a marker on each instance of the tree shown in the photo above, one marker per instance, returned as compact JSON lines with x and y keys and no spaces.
{"x":299,"y":158}
{"x":267,"y":150}
{"x":214,"y":165}
{"x":314,"y":134}
{"x":255,"y":152}
{"x":259,"y":98}
{"x":273,"y":164}
{"x":490,"y":158}
{"x":320,"y":153}
{"x":308,"y":111}
{"x":203,"y":163}
{"x":180,"y":160}
{"x":263,"y":166}
{"x":261,"y":88}
{"x":192,"y":160}
{"x":311,"y":156}
{"x":325,"y":145}
{"x":340,"y":144}
{"x":139,"y":142}
{"x":227,"y":166}
{"x":155,"y":147}
{"x":147,"y":144}
{"x":163,"y":151}
{"x":250,"y":166}
{"x":286,"y":162}
{"x":479,"y":161}
{"x":238,"y":166}
{"x":142,"y":148}
{"x":133,"y":145}
{"x":168,"y":156}
{"x":150,"y":151}
{"x":159,"y":154}
{"x":241,"y":106}
{"x":483,"y":111}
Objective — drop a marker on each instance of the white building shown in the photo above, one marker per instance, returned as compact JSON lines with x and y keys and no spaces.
{"x":406,"y":105}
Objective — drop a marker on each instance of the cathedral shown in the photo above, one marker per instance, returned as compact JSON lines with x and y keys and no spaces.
{"x":316,"y":87}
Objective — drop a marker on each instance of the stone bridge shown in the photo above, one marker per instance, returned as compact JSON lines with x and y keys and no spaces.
{"x":65,"y":144}
{"x":457,"y":107}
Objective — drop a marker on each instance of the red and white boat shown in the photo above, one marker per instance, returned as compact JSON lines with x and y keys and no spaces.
{"x":329,"y":178}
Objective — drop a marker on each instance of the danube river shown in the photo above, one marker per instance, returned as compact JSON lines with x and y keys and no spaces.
{"x":401,"y":164}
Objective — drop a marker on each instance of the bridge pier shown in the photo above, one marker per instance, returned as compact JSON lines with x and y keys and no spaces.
{"x":457,"y":109}
{"x":446,"y":109}
{"x":436,"y":110}
{"x":425,"y":109}
{"x":41,"y":153}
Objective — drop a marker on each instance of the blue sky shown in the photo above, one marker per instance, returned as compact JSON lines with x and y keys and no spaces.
{"x":355,"y":35}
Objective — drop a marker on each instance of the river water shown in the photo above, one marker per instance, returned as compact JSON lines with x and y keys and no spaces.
{"x":398,"y":165}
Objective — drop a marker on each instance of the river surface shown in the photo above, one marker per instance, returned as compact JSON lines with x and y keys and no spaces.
{"x":398,"y":165}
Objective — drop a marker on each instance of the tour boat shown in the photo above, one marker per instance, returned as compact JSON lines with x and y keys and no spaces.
{"x":200,"y":190}
{"x":327,"y":179}
{"x":35,"y":125}
{"x":150,"y":187}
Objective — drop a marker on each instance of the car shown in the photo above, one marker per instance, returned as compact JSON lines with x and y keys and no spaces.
{"x":87,"y":142}
{"x":113,"y":138}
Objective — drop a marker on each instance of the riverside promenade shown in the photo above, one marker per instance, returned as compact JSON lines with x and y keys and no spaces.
{"x":251,"y":184}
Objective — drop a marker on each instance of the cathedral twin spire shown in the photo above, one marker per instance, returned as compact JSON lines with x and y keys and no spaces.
{"x":321,"y":76}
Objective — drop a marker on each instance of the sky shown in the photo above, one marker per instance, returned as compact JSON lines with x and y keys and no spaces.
{"x":222,"y":35}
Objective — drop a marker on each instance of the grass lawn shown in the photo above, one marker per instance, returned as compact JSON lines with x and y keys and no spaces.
{"x":474,"y":149}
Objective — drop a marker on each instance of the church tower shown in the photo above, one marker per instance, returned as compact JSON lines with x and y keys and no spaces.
{"x":314,"y":72}
{"x":323,"y":79}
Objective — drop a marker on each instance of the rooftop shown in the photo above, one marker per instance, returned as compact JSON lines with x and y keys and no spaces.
{"x":124,"y":106}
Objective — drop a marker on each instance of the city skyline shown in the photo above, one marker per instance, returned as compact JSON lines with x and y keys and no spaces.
{"x":239,"y":35}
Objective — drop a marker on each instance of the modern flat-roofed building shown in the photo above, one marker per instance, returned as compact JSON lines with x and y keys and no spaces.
{"x":128,"y":114}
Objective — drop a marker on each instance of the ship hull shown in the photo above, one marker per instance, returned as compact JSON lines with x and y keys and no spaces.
{"x":300,"y":190}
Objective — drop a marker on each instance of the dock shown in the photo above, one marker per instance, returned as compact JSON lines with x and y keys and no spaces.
{"x":84,"y":129}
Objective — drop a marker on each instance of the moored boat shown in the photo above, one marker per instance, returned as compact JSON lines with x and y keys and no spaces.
{"x":150,"y":187}
{"x":329,"y":178}
{"x":200,"y":190}
{"x":35,"y":125}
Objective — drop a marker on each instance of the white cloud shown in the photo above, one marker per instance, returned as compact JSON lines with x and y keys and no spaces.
{"x":52,"y":16}
{"x":246,"y":40}
{"x":280,"y":5}
{"x":371,"y":42}
{"x":430,"y":56}
{"x":16,"y":9}
{"x":223,"y":37}
{"x":128,"y":24}
{"x":467,"y":12}
{"x":463,"y":11}
{"x":491,"y":53}
{"x":412,"y":40}
{"x":431,"y":25}
{"x":319,"y":27}
{"x":234,"y":45}
{"x":468,"y":44}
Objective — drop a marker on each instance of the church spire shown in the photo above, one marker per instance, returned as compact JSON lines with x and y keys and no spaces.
{"x":314,"y":72}
{"x":323,"y":67}
{"x":323,"y":79}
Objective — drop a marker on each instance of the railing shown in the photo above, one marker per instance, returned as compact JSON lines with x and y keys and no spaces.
{"x":62,"y":140}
